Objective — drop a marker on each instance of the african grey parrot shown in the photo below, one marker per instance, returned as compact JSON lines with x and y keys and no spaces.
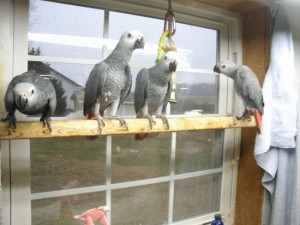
{"x":153,"y":90}
{"x":247,"y":87}
{"x":110,"y":81}
{"x":31,"y":94}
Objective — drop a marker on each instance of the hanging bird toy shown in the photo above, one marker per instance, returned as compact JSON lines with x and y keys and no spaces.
{"x":167,"y":44}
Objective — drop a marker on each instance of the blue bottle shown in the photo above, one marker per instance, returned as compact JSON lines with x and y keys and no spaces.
{"x":217,"y":220}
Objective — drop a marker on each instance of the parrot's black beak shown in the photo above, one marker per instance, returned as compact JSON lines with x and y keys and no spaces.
{"x":139,"y":43}
{"x":22,"y":102}
{"x":173,"y":66}
{"x":217,"y":69}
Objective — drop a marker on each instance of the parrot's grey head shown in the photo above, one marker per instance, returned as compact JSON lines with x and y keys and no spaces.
{"x":26,"y":96}
{"x":133,"y":39}
{"x":225,"y":67}
{"x":169,"y":61}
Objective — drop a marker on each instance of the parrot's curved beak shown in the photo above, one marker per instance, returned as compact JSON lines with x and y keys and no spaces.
{"x":216,"y":69}
{"x":21,"y":102}
{"x":173,"y":66}
{"x":139,"y":43}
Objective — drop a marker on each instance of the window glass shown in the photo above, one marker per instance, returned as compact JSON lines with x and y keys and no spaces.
{"x":61,"y":210}
{"x":195,"y":93}
{"x":60,"y":163}
{"x":55,"y":32}
{"x":199,"y":45}
{"x":194,"y":196}
{"x":198,"y":150}
{"x":141,"y":205}
{"x":137,"y":160}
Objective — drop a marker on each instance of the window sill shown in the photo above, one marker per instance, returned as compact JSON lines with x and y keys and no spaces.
{"x":67,"y":128}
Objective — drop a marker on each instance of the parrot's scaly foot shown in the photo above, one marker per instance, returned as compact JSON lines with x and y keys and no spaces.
{"x":165,"y":120}
{"x":101,"y":123}
{"x":122,"y":121}
{"x":12,"y":123}
{"x":46,"y":121}
{"x":234,"y":118}
{"x":246,"y":116}
{"x":151,"y":121}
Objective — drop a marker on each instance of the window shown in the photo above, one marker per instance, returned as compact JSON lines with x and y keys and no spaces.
{"x":169,"y":178}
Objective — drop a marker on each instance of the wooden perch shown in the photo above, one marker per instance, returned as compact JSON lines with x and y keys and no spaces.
{"x":68,"y":128}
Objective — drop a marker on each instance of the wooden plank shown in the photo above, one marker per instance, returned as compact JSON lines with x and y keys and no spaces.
{"x":67,"y":128}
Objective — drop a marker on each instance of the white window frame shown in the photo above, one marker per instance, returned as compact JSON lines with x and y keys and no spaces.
{"x":16,"y":153}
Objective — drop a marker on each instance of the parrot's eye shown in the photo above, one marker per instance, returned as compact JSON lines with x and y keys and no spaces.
{"x":129,"y":35}
{"x":165,"y":58}
{"x":223,"y":66}
{"x":32,"y":91}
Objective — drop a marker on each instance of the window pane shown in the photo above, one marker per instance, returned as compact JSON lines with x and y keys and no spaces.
{"x":69,"y":82}
{"x":195,"y":92}
{"x":198,"y":150}
{"x":62,"y":210}
{"x":66,"y":163}
{"x":199,"y":44}
{"x":65,"y":30}
{"x":141,"y":205}
{"x":136,"y":160}
{"x":150,"y":27}
{"x":196,"y":196}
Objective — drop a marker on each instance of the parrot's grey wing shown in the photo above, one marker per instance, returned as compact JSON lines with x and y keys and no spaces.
{"x":250,"y":87}
{"x":128,"y":83}
{"x":141,"y":89}
{"x":168,"y":95}
{"x":9,"y":99}
{"x":52,"y":99}
{"x":93,"y":86}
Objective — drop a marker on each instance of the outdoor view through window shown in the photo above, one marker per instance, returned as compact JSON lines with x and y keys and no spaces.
{"x":168,"y":177}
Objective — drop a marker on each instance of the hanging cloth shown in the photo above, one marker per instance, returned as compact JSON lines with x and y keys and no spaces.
{"x":275,"y":146}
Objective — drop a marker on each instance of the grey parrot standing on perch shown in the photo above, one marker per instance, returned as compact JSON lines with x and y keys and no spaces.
{"x":31,"y":94}
{"x":153,"y":90}
{"x":247,"y":87}
{"x":110,"y":81}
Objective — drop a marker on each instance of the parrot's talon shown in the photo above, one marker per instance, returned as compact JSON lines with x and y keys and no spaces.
{"x":164,"y":120}
{"x":234,"y":120}
{"x":46,"y":121}
{"x":12,"y":123}
{"x":150,"y":120}
{"x":101,"y":124}
{"x":123,"y":122}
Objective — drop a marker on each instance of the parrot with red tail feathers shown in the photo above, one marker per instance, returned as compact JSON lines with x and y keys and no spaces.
{"x":247,"y":88}
{"x":110,"y":81}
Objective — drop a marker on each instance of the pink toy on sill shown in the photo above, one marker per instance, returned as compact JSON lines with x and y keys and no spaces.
{"x":92,"y":215}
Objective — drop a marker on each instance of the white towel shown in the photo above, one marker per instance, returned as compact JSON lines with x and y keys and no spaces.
{"x":275,"y":146}
{"x":279,"y":125}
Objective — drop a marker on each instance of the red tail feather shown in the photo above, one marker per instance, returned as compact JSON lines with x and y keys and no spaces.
{"x":89,"y":116}
{"x":140,"y":136}
{"x":90,"y":138}
{"x":258,"y":119}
